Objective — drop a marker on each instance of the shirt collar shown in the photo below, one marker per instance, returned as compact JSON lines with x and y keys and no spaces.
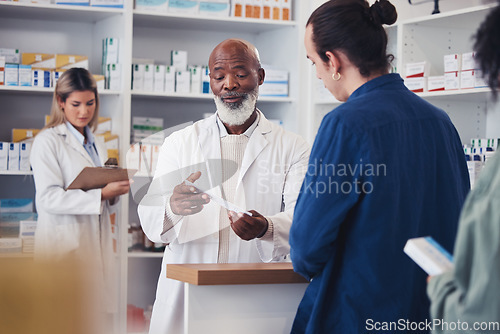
{"x":390,"y":81}
{"x":79,"y":136}
{"x":248,"y":132}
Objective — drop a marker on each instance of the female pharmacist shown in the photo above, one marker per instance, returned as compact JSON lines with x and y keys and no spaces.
{"x":74,"y":222}
{"x":385,"y":166}
{"x":467,"y":299}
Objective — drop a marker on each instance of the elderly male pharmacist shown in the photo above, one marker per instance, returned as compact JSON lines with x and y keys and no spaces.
{"x":236,"y":155}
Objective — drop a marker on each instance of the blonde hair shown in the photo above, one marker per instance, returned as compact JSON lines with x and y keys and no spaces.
{"x":72,"y":80}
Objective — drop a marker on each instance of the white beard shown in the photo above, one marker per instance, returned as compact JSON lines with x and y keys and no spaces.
{"x":236,"y":113}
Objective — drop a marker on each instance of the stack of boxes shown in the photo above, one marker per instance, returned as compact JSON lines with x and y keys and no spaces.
{"x":110,"y":63}
{"x":460,"y":72}
{"x":15,"y":155}
{"x":257,"y":9}
{"x":478,"y":154}
{"x":275,"y":82}
{"x":178,"y":77}
{"x":17,"y":225}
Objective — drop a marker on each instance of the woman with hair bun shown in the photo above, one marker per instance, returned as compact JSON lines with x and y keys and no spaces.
{"x":386,"y":166}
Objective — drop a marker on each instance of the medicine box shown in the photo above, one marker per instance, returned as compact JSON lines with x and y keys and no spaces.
{"x":152,"y":5}
{"x":238,"y":8}
{"x":133,"y":157}
{"x":25,"y":75}
{"x":64,"y":61}
{"x":195,"y":72}
{"x":11,"y":75}
{"x":286,"y":10}
{"x":451,"y":80}
{"x":40,"y":78}
{"x":276,"y":10}
{"x":8,"y":205}
{"x":429,"y":255}
{"x":57,"y":73}
{"x":11,"y":55}
{"x":178,"y":59}
{"x":215,"y":8}
{"x":435,"y":83}
{"x":416,"y":85}
{"x":73,"y":2}
{"x":452,"y":62}
{"x":110,"y":46}
{"x":138,"y":76}
{"x":4,"y":155}
{"x":183,"y":7}
{"x":11,"y":245}
{"x":205,"y":80}
{"x":24,"y":156}
{"x":257,"y":9}
{"x":169,"y":79}
{"x":99,"y":79}
{"x":248,"y":8}
{"x":159,"y":78}
{"x":2,"y":70}
{"x":148,"y":77}
{"x":479,"y":81}
{"x":13,"y":156}
{"x":468,"y":61}
{"x":183,"y":82}
{"x":113,"y":72}
{"x":415,"y":70}
{"x":467,"y":80}
{"x":107,"y":3}
{"x":103,"y":125}
{"x":266,"y":9}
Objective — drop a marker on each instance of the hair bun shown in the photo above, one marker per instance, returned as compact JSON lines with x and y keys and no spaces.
{"x":383,"y":12}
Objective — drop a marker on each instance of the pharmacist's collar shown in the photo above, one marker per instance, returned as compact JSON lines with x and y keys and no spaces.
{"x":79,"y":136}
{"x":248,"y":132}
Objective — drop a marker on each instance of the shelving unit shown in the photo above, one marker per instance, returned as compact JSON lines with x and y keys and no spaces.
{"x":429,"y":38}
{"x":79,"y":30}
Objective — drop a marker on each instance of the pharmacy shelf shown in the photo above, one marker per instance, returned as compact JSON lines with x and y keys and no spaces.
{"x":471,"y":95}
{"x":145,"y":254}
{"x":45,"y":90}
{"x":206,"y":23}
{"x":179,"y":96}
{"x":15,"y":172}
{"x":57,"y":13}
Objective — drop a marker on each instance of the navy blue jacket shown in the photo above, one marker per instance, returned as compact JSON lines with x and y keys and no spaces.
{"x":386,"y":166}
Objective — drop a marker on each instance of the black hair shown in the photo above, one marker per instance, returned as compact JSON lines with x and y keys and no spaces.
{"x":355,"y":28}
{"x":487,"y":48}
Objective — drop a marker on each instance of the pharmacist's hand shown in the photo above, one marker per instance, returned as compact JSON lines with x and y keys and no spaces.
{"x":248,"y":227}
{"x":187,"y":200}
{"x":114,"y":189}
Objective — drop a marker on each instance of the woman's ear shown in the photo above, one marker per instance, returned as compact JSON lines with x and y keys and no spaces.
{"x":333,"y":61}
{"x":60,"y":102}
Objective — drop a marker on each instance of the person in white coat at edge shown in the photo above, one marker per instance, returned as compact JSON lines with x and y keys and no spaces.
{"x":74,"y":222}
{"x":236,"y":154}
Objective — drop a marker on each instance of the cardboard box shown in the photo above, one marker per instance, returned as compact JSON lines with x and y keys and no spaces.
{"x":257,"y":9}
{"x":110,"y":48}
{"x":479,"y":81}
{"x":467,"y":79}
{"x":435,"y":83}
{"x":266,"y":9}
{"x":12,"y":205}
{"x":148,"y":78}
{"x":159,"y":78}
{"x":24,"y":156}
{"x":286,"y":10}
{"x":468,"y":61}
{"x":41,"y":78}
{"x":452,"y":62}
{"x":2,"y":70}
{"x":276,"y":10}
{"x":238,"y":8}
{"x":195,"y":73}
{"x":205,"y":80}
{"x":57,"y":73}
{"x":158,"y":6}
{"x":64,"y":61}
{"x":452,"y":80}
{"x":138,"y":76}
{"x":103,"y":125}
{"x":99,"y":80}
{"x":183,"y":7}
{"x":114,"y":77}
{"x":169,"y":79}
{"x":19,"y":135}
{"x":44,"y":61}
{"x":25,"y":75}
{"x":429,"y":255}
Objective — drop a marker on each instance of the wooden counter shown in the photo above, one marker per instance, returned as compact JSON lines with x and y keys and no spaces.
{"x":243,"y":298}
{"x":234,"y":273}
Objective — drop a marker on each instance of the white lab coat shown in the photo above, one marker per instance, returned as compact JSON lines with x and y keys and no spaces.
{"x":273,"y":167}
{"x":72,"y":222}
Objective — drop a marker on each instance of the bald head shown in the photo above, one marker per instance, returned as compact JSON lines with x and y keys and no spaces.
{"x":234,"y":48}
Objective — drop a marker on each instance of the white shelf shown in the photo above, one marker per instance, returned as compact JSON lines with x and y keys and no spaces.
{"x":197,"y":22}
{"x":475,"y":94}
{"x":15,"y":172}
{"x":58,"y":13}
{"x":187,"y":96}
{"x":46,"y":90}
{"x":145,"y":254}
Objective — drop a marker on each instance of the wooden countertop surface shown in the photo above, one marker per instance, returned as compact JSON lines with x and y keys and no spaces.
{"x":234,"y":273}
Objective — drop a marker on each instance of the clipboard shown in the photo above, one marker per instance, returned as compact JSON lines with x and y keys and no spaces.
{"x":99,"y":177}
